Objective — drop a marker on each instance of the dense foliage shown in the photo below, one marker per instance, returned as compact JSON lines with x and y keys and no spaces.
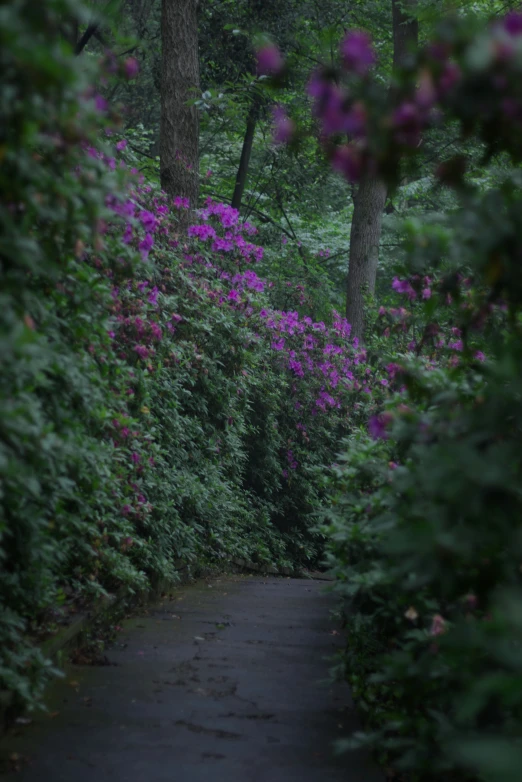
{"x":424,"y":535}
{"x":175,"y":384}
{"x":161,"y":400}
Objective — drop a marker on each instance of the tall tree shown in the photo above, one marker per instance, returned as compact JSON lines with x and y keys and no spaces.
{"x":246,"y":151}
{"x":370,"y":199}
{"x":179,"y":130}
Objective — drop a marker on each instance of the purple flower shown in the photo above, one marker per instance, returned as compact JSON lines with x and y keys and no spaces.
{"x":458,"y":345}
{"x":202,"y":232}
{"x":378,"y":424}
{"x":278,"y":344}
{"x":145,"y":246}
{"x":131,"y":67}
{"x":403,"y":286}
{"x":357,"y":52}
{"x":408,"y":124}
{"x":120,"y":146}
{"x":222,"y":245}
{"x":347,"y":161}
{"x":153,"y":296}
{"x":147,"y":220}
{"x":269,"y":61}
{"x":233,"y":295}
{"x":513,"y":23}
{"x":479,"y":355}
{"x":100,"y":103}
{"x":181,"y":203}
{"x":135,"y":457}
{"x":142,"y":352}
{"x":450,"y":76}
{"x":283,"y":126}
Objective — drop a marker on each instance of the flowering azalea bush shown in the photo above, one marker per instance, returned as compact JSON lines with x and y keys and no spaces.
{"x":424,"y":532}
{"x":162,"y":402}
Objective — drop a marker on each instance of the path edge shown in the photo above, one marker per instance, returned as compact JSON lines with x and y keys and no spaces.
{"x":106,"y":610}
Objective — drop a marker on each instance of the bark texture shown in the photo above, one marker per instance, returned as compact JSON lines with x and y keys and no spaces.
{"x":370,"y":200}
{"x":405,"y":31}
{"x":179,"y":131}
{"x":246,"y":151}
{"x":365,"y":236}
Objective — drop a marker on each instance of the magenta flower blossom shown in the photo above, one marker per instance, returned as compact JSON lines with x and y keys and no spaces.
{"x":403,"y":286}
{"x":458,"y":345}
{"x":101,"y":104}
{"x":480,"y":356}
{"x":269,"y":61}
{"x":153,"y":296}
{"x":233,"y":295}
{"x":131,"y":67}
{"x":145,"y":246}
{"x":120,"y":146}
{"x":147,"y":220}
{"x":378,"y":424}
{"x":284,"y":128}
{"x":202,"y":232}
{"x":357,"y":52}
{"x":347,"y":161}
{"x":408,"y":123}
{"x":222,"y":245}
{"x":181,"y":203}
{"x":450,"y":76}
{"x":513,"y":23}
{"x":142,"y":352}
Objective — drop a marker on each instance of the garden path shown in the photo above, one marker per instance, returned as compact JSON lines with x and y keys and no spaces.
{"x":224,"y":681}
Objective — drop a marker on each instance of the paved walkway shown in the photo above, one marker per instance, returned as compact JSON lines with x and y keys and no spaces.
{"x":225,"y":683}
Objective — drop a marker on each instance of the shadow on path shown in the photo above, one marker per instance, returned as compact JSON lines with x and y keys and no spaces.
{"x":223,"y":683}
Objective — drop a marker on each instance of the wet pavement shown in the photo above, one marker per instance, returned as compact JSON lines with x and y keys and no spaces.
{"x":226,"y":682}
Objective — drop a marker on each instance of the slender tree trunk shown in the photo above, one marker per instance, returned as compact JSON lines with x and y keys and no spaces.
{"x":370,"y":200}
{"x":179,"y":130}
{"x":405,"y":31}
{"x":246,"y":151}
{"x":365,"y":236}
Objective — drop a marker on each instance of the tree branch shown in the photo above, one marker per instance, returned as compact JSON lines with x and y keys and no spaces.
{"x":91,"y":30}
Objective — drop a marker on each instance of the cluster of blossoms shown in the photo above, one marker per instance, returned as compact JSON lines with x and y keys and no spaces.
{"x":328,"y":372}
{"x":431,"y":88}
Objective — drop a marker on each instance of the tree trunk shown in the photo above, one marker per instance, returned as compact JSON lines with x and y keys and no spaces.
{"x":370,"y":200}
{"x":365,"y":236}
{"x":179,"y":130}
{"x":244,"y":161}
{"x":405,"y":31}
